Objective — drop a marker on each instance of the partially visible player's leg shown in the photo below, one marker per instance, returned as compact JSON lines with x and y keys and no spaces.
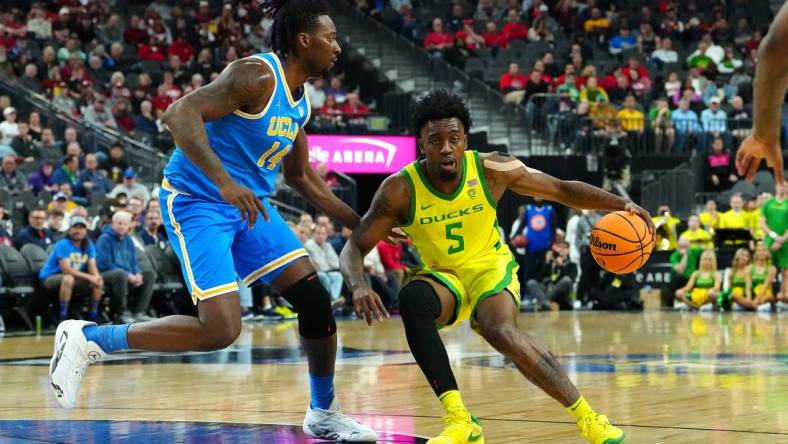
{"x":270,"y":252}
{"x":496,"y":321}
{"x":423,"y":303}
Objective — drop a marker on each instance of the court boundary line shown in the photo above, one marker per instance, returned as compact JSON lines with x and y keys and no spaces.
{"x":541,"y":421}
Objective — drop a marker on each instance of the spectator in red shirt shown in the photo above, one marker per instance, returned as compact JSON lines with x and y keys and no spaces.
{"x":391,"y":258}
{"x":354,"y":108}
{"x":134,"y":33}
{"x":634,"y":65}
{"x":514,"y":29}
{"x":150,"y":51}
{"x":183,"y":49}
{"x":162,"y":100}
{"x":330,"y":114}
{"x":123,"y":116}
{"x":472,"y":40}
{"x":494,"y":38}
{"x":512,"y":84}
{"x":540,"y":67}
{"x":438,"y":40}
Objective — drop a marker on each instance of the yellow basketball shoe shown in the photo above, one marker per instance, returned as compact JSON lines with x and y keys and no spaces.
{"x":461,"y":428}
{"x":596,"y":429}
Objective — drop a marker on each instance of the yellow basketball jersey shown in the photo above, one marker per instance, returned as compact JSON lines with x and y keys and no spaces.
{"x":450,"y":230}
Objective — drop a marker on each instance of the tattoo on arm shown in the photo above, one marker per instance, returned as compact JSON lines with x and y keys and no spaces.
{"x":374,"y":227}
{"x":239,"y":85}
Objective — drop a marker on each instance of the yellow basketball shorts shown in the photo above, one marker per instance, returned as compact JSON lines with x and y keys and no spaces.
{"x":476,"y":280}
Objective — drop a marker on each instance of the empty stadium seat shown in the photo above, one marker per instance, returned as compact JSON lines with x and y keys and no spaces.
{"x":167,"y":273}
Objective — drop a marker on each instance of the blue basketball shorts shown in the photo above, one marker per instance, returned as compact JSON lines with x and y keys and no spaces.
{"x":215,"y":245}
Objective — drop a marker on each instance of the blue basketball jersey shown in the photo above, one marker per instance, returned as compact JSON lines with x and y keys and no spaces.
{"x":250,"y":146}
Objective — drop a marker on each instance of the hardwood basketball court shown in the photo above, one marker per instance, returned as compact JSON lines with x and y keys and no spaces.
{"x":665,"y":377}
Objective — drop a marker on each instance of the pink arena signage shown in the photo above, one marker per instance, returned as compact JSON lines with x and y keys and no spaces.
{"x":364,"y":154}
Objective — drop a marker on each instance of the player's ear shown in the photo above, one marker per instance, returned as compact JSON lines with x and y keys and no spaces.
{"x":303,"y":40}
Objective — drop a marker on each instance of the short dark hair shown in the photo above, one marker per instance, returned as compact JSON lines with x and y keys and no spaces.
{"x":292,"y":17}
{"x":69,"y":158}
{"x":440,"y":104}
{"x":116,"y":144}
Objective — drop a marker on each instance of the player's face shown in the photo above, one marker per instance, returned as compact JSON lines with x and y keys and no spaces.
{"x":443,"y":142}
{"x":324,"y":49}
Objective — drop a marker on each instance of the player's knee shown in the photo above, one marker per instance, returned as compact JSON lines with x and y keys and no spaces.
{"x":221,"y":335}
{"x":418,"y":298}
{"x":502,"y":335}
{"x":311,"y":301}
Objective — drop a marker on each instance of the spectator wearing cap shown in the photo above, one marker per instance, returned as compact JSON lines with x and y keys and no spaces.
{"x":10,"y":179}
{"x":116,"y":164}
{"x":35,"y":232}
{"x":130,"y":187}
{"x":115,"y":252}
{"x":8,"y":127}
{"x":61,"y":206}
{"x":99,"y":114}
{"x":42,"y":179}
{"x":715,"y":122}
{"x":72,"y":266}
{"x":23,"y":144}
{"x":92,"y":179}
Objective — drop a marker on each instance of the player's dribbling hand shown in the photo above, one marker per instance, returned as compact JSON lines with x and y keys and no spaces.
{"x":245,"y":200}
{"x":367,"y":303}
{"x":750,"y":153}
{"x":632,"y":207}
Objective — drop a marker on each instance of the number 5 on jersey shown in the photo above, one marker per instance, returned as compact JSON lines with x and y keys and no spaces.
{"x":460,"y":241}
{"x":272,"y":156}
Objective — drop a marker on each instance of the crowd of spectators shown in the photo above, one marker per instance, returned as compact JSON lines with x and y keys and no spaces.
{"x":666,"y":80}
{"x":123,"y":72}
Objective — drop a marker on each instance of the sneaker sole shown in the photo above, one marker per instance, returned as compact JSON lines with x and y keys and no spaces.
{"x":61,"y":338}
{"x":615,"y":440}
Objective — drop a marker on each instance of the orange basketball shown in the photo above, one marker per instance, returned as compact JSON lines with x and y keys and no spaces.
{"x":621,"y":242}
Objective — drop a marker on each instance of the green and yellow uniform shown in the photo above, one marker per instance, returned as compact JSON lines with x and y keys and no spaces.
{"x":710,"y":221}
{"x":776,"y":214}
{"x":703,"y":283}
{"x":758,"y":279}
{"x":457,"y":237}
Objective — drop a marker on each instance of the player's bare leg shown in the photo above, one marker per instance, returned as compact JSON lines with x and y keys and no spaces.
{"x":496,"y":317}
{"x":218,"y":324}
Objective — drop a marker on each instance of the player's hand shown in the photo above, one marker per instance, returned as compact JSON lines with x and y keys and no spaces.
{"x":749,"y":156}
{"x":396,"y":236}
{"x":367,"y":303}
{"x":96,"y":281}
{"x":637,"y":209}
{"x":244,"y":199}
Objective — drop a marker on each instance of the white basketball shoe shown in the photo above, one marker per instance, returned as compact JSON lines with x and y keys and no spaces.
{"x":73,"y":354}
{"x":333,"y":424}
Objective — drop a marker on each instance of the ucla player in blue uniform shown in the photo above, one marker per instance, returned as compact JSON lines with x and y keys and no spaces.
{"x":232,"y":137}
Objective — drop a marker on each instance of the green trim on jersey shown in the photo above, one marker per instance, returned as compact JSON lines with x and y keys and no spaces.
{"x":412,"y":186}
{"x":432,"y":189}
{"x":483,"y":180}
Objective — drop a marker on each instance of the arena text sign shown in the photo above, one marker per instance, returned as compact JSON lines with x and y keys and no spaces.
{"x":366,"y":154}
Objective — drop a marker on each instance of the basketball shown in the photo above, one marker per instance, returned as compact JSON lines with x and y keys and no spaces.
{"x":621,"y":242}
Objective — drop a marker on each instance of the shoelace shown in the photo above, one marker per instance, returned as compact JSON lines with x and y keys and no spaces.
{"x":591,"y":421}
{"x":455,"y":419}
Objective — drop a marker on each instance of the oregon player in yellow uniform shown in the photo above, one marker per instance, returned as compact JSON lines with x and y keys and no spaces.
{"x":446,"y":204}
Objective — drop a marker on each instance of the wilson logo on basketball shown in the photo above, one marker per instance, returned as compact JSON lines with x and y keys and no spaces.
{"x":596,"y":243}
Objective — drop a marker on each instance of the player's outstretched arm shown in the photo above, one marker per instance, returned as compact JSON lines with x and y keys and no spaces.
{"x":771,"y":81}
{"x":244,"y":83}
{"x":300,"y":175}
{"x":509,"y":172}
{"x":390,"y":206}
